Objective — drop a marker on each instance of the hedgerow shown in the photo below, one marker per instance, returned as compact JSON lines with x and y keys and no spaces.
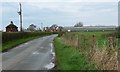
{"x":6,"y":37}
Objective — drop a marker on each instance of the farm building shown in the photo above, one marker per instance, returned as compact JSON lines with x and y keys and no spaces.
{"x":90,"y":28}
{"x":11,"y":27}
{"x":53,"y":28}
{"x":31,"y":28}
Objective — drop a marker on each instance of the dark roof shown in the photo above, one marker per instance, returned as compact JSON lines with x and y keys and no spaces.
{"x":11,"y":25}
{"x":33,"y":25}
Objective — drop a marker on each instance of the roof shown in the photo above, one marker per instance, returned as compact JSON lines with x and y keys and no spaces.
{"x":11,"y":25}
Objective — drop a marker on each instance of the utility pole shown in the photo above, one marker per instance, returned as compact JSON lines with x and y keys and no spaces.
{"x":20,"y":13}
{"x":42,"y":26}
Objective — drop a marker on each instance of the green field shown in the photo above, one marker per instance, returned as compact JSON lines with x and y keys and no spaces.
{"x":101,"y":38}
{"x":69,"y":58}
{"x":72,"y":57}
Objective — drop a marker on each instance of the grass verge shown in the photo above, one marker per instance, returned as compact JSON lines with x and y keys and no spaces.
{"x":7,"y":46}
{"x":69,"y":58}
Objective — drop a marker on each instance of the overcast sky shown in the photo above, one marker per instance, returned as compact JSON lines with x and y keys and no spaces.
{"x":61,"y":13}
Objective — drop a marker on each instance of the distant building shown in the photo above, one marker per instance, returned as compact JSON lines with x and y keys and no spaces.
{"x":32,"y":28}
{"x":46,"y":29}
{"x":11,"y":27}
{"x":53,"y":29}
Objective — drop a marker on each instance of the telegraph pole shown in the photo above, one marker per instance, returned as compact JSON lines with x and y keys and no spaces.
{"x":42,"y":26}
{"x":20,"y":13}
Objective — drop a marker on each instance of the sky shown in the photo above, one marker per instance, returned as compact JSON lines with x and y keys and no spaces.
{"x":63,"y":13}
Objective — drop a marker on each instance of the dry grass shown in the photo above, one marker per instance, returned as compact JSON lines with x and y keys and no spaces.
{"x":106,"y":58}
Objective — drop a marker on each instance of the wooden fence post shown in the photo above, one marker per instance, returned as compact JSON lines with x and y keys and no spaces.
{"x":114,"y":42}
{"x":84,"y":40}
{"x":78,"y":42}
{"x":111,"y":42}
{"x":93,"y":41}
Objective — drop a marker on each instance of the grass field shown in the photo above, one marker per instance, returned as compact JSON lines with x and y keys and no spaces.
{"x":101,"y":38}
{"x":75,"y":54}
{"x":69,"y":58}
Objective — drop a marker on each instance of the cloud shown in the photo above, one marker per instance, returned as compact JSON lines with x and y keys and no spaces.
{"x":75,"y":6}
{"x":58,"y":6}
{"x":62,"y":13}
{"x":59,"y":0}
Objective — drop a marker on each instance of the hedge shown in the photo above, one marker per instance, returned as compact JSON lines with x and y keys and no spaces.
{"x":6,"y":37}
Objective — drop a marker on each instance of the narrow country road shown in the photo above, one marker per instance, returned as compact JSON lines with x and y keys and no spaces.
{"x":33,"y":55}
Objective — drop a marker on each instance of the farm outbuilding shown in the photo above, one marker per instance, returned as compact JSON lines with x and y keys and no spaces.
{"x":11,"y":27}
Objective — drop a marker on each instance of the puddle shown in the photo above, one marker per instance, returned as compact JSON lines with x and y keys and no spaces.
{"x":53,"y":54}
{"x":36,"y":52}
{"x":4,"y":53}
{"x":26,"y":43}
{"x":49,"y":66}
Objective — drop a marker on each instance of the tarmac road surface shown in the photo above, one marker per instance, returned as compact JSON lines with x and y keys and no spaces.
{"x":32,"y":55}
